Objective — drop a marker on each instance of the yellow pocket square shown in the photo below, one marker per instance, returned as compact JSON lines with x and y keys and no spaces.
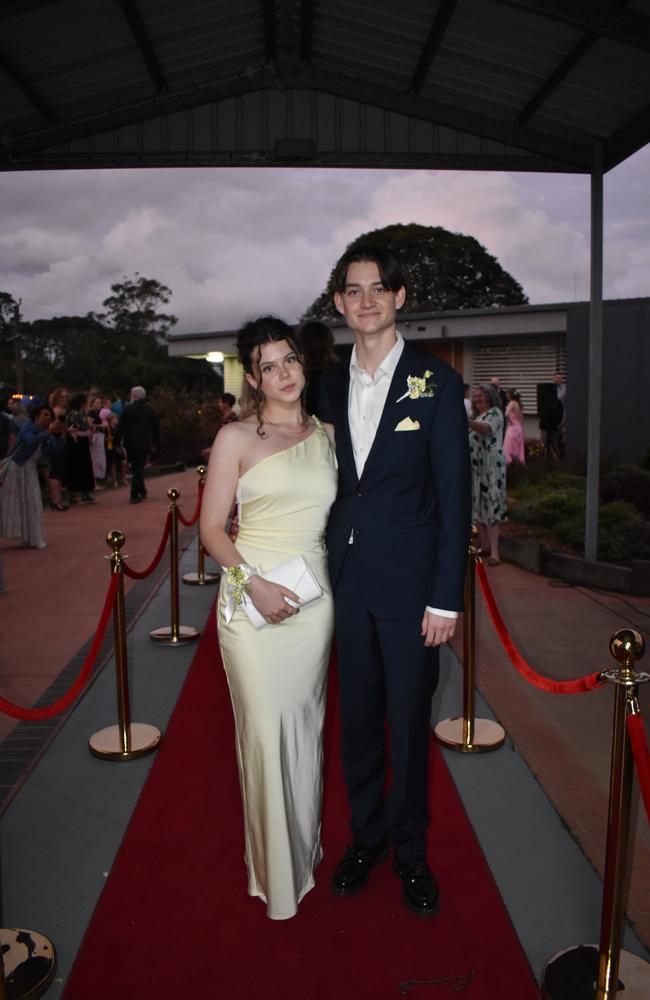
{"x":408,"y":425}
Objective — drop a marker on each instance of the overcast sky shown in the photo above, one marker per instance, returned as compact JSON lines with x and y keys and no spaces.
{"x":234,"y":243}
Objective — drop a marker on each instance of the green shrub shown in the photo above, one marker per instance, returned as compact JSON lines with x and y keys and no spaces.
{"x":549,"y":497}
{"x":628,"y":482}
{"x":554,"y":506}
{"x":187,"y":424}
{"x":623,"y":533}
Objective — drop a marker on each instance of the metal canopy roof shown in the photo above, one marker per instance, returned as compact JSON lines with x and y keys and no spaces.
{"x":464,"y":84}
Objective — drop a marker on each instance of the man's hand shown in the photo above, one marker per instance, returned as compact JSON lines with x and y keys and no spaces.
{"x":437,"y":629}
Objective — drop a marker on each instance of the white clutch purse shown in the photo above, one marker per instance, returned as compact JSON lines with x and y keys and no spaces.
{"x":294,"y":574}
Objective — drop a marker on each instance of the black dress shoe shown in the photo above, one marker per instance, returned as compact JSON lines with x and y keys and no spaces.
{"x":353,"y":869}
{"x":420,"y":889}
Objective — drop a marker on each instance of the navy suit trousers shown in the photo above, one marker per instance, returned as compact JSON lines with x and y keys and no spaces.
{"x":387,"y":680}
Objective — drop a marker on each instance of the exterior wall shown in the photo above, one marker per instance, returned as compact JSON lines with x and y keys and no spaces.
{"x":625,"y":427}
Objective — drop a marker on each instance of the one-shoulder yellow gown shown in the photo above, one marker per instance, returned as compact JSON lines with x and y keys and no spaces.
{"x":277,"y":675}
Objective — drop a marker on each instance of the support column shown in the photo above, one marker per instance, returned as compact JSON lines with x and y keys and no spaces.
{"x":594,"y":397}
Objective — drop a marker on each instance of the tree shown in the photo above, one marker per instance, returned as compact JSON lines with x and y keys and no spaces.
{"x":444,"y":271}
{"x":132,"y":314}
{"x":10,"y":330}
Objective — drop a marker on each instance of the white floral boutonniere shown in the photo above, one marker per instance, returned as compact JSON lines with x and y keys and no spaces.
{"x":419,"y":386}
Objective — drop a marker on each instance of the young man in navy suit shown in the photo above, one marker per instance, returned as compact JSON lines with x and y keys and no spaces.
{"x":397,"y":539}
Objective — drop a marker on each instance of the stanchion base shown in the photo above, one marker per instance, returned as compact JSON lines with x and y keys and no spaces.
{"x":488,"y":735}
{"x":574,"y":972}
{"x":200,"y":581}
{"x":29,"y":962}
{"x":165,"y":635}
{"x":107,"y":743}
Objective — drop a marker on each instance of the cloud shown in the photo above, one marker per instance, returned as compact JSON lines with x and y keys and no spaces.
{"x":234,"y":243}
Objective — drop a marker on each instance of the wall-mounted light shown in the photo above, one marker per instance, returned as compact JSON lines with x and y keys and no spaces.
{"x":214,"y":357}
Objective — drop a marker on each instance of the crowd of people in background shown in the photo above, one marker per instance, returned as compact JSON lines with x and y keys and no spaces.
{"x":65,"y":450}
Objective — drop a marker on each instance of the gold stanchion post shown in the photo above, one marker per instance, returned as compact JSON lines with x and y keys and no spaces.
{"x":606,"y":969}
{"x":27,"y":964}
{"x":175,"y":634}
{"x":127,"y":739}
{"x":468,"y":734}
{"x":200,"y":578}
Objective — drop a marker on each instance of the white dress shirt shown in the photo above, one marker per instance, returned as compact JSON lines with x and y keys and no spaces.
{"x":366,"y":400}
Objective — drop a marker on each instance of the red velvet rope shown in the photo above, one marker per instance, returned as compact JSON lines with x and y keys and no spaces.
{"x":17,"y":712}
{"x":578,"y":686}
{"x":137,"y":575}
{"x":197,"y":510}
{"x":639,"y":742}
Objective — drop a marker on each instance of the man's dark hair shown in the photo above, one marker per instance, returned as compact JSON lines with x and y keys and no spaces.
{"x":33,"y":412}
{"x":388,"y":264}
{"x":228,"y":398}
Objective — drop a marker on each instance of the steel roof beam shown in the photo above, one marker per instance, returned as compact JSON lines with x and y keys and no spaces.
{"x":575,"y":154}
{"x":9,"y":7}
{"x":270,"y":38}
{"x":27,"y":90}
{"x":432,"y":44}
{"x":306,"y":30}
{"x":604,"y":19}
{"x":557,"y":76}
{"x":569,"y":62}
{"x":141,"y":37}
{"x":628,"y":139}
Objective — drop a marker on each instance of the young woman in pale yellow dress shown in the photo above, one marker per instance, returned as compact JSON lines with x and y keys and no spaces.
{"x":277,"y":464}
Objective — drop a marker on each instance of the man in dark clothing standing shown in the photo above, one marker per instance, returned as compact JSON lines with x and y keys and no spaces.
{"x":138,"y":429}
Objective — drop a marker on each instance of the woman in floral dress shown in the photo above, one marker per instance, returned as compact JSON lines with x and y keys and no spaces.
{"x":488,"y":470}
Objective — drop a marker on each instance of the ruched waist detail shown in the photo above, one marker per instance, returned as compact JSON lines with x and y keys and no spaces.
{"x":280,"y":541}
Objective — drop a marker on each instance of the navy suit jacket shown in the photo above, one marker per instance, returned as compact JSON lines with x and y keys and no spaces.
{"x":410,"y":510}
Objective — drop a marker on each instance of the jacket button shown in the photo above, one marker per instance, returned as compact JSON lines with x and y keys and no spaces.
{"x":359,"y":493}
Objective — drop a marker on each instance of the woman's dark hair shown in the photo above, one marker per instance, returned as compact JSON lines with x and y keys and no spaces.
{"x":251,"y":337}
{"x":388,"y":264}
{"x":515,"y":394}
{"x":78,"y":401}
{"x":317,"y":344}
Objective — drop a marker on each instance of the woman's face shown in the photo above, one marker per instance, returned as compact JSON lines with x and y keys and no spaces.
{"x":479,"y":400}
{"x":279,"y":373}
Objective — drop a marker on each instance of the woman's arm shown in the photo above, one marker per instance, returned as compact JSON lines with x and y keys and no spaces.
{"x":480,"y":426}
{"x":218,"y":500}
{"x":219,"y":496}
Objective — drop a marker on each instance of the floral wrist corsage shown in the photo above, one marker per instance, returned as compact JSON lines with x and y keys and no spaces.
{"x":237,"y":587}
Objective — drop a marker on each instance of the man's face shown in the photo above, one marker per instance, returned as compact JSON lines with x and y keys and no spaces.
{"x":367,"y":306}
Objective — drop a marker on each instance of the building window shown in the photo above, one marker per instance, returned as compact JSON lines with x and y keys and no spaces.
{"x":520,"y":364}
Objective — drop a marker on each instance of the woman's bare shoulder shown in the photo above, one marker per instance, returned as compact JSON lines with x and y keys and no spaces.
{"x":237,"y":430}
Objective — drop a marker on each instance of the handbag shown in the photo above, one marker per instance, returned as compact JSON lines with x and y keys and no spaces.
{"x":295,"y":575}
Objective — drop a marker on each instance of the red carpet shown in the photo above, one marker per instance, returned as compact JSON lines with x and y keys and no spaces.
{"x":174,"y":920}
